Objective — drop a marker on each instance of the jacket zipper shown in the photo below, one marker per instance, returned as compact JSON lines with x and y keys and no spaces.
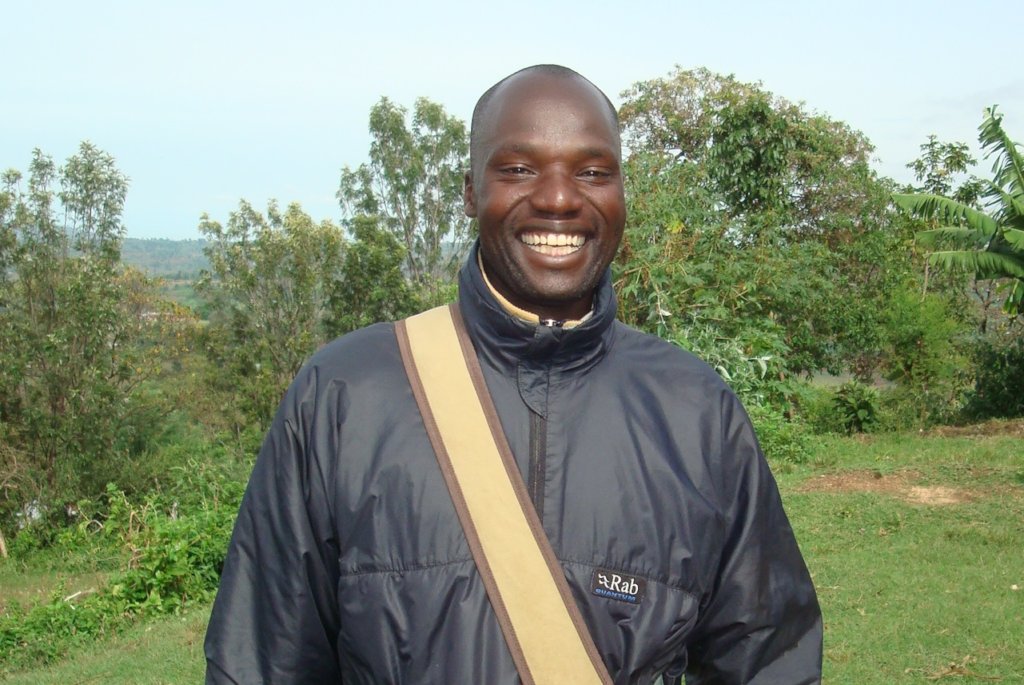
{"x":538,"y":455}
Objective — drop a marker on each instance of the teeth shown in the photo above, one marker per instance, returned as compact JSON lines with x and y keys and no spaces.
{"x":554,"y":250}
{"x":555,"y":244}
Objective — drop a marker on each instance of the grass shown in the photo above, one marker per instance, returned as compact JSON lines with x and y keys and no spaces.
{"x":167,"y":651}
{"x":915,"y":543}
{"x":49,"y":573}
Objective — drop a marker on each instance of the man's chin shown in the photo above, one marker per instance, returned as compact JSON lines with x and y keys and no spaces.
{"x":558,"y":301}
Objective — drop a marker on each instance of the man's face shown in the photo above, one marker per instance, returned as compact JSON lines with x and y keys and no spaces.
{"x":546,"y":189}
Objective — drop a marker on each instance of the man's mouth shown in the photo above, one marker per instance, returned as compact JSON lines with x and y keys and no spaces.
{"x":553,"y":244}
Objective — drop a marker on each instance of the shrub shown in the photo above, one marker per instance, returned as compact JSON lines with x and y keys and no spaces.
{"x":752,"y":363}
{"x":175,"y":559}
{"x":998,"y":390}
{"x":857,"y":406}
{"x":924,"y":339}
{"x":816,"y":407}
{"x":783,"y":441}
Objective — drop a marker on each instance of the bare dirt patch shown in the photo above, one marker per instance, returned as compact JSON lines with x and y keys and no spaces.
{"x":900,"y":484}
{"x":862,"y":481}
{"x":937,"y":495}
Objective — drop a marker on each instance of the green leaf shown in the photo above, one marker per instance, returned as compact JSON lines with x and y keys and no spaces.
{"x":1009,"y":165}
{"x":984,"y":264}
{"x":1013,"y":207}
{"x":952,"y":235}
{"x":928,"y":205}
{"x":1015,"y":237}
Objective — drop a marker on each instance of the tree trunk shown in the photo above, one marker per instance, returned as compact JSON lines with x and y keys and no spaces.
{"x":3,"y":545}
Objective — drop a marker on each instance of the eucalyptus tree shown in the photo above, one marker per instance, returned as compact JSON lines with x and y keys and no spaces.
{"x":268,"y":290}
{"x":79,"y":333}
{"x":412,"y":187}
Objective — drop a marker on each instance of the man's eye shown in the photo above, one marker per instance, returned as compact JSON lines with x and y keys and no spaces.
{"x":515,"y":170}
{"x":595,"y":173}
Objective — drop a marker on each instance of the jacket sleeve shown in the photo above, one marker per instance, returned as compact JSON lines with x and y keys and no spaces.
{"x":275,"y":619}
{"x":761,"y":624}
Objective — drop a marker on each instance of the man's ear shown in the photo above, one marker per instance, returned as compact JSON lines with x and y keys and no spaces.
{"x":468,"y":201}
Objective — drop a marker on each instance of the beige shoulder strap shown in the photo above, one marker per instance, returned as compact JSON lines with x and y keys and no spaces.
{"x":543,"y":627}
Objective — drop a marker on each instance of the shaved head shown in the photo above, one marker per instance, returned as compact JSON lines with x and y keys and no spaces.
{"x":482,"y":108}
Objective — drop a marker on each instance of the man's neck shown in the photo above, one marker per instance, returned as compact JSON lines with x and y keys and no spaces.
{"x":522,"y":314}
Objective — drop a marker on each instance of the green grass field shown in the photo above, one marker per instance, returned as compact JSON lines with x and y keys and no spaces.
{"x":915,"y":542}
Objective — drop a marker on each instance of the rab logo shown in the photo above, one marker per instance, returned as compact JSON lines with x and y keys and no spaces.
{"x":618,"y":586}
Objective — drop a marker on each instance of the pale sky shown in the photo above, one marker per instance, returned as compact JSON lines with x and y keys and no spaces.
{"x":204,"y":103}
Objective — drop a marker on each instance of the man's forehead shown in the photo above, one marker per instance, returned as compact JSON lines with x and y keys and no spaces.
{"x":548,"y":92}
{"x":549,"y":101}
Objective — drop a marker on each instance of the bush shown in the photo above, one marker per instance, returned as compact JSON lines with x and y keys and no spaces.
{"x":166,"y":547}
{"x":752,"y":363}
{"x":998,"y":390}
{"x":857,"y":406}
{"x":175,"y":559}
{"x":816,"y":407}
{"x":783,"y":441}
{"x":924,"y":338}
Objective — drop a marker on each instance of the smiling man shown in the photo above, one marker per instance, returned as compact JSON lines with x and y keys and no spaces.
{"x":640,"y":468}
{"x":545,"y":185}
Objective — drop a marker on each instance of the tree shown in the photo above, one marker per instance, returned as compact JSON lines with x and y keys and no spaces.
{"x":938,"y":168}
{"x":268,"y":289}
{"x":758,"y":223}
{"x":370,"y":287}
{"x":79,"y":334}
{"x":413,"y":186}
{"x":774,"y":165}
{"x":988,"y":244}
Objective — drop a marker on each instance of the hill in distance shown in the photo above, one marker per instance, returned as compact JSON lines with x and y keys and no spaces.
{"x":173,"y":260}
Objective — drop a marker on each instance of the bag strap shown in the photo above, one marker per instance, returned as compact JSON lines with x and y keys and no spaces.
{"x":543,"y":627}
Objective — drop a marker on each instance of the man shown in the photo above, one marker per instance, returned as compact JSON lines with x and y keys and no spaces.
{"x":348,"y":563}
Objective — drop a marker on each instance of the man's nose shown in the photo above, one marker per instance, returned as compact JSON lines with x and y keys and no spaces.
{"x":556,"y":194}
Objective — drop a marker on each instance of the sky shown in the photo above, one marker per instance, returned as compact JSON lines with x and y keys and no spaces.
{"x":205,"y":103}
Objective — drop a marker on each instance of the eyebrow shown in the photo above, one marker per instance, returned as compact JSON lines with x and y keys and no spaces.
{"x":530,"y":148}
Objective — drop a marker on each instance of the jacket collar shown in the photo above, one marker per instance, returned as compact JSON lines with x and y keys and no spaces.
{"x":507,"y":341}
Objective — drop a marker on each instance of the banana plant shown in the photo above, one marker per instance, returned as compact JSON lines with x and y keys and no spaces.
{"x":988,"y":243}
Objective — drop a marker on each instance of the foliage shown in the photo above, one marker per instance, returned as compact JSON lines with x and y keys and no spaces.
{"x":370,"y":287}
{"x":923,"y":357}
{"x":784,"y":441}
{"x":998,"y":379}
{"x":857,"y":407}
{"x":174,"y":555}
{"x":989,"y":244}
{"x":676,"y":277}
{"x":815,"y":406}
{"x":268,"y":291}
{"x":760,"y":222}
{"x":939,"y":167}
{"x":80,"y":336}
{"x":751,"y":143}
{"x":413,"y":186}
{"x":763,"y":155}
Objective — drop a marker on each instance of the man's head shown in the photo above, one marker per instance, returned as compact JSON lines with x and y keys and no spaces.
{"x":545,"y":185}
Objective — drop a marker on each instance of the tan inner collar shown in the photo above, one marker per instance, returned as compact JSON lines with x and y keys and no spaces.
{"x":522,"y":314}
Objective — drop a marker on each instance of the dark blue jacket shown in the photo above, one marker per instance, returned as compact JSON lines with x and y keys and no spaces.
{"x":348,"y":563}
